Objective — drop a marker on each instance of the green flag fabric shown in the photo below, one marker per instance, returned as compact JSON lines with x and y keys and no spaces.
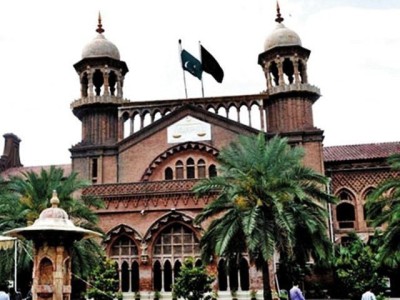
{"x":191,"y":64}
{"x":210,"y":65}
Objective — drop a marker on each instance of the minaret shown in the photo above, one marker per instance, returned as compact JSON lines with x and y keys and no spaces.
{"x":289,"y":105}
{"x":101,"y":74}
{"x":101,"y":77}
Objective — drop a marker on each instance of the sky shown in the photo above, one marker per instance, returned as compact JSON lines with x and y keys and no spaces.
{"x":355,"y":46}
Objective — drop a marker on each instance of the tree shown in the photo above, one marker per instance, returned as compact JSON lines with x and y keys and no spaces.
{"x":25,"y":197}
{"x":267,"y":201}
{"x":357,"y":268}
{"x":383,"y":208}
{"x":192,"y":282}
{"x":104,"y":283}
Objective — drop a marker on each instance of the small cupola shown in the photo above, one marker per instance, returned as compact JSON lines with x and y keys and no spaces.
{"x":101,"y":72}
{"x":284,"y":59}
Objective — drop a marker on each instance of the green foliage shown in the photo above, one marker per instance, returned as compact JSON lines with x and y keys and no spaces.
{"x":383,"y":208}
{"x":192,"y":282}
{"x":267,"y":201}
{"x":104,"y":283}
{"x":357,"y":268}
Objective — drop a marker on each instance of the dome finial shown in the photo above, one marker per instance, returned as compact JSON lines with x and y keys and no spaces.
{"x":99,"y":25}
{"x":54,"y":200}
{"x":279,"y":18}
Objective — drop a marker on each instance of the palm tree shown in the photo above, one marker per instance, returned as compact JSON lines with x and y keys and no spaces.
{"x":266,"y":200}
{"x":383,"y":208}
{"x":25,"y":197}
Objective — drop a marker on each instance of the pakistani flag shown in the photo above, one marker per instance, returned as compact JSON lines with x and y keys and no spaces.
{"x":191,"y":64}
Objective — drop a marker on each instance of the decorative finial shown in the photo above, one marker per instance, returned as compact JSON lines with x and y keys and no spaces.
{"x":279,"y":18}
{"x":100,"y":26}
{"x":54,"y":200}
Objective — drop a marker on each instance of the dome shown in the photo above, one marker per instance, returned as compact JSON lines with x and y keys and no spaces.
{"x":52,"y":219}
{"x":100,"y":47}
{"x":53,"y":216}
{"x":282,"y":36}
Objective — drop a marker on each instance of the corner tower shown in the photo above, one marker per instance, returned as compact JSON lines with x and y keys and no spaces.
{"x":289,"y":105}
{"x":101,"y":76}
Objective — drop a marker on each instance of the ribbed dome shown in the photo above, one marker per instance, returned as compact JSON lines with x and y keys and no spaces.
{"x":282,"y":36}
{"x":53,"y":219}
{"x":100,"y":47}
{"x":53,"y":216}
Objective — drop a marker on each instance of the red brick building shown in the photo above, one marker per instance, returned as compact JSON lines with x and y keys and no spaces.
{"x":144,"y":157}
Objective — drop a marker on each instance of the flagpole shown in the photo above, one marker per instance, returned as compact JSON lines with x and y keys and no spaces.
{"x":15,"y":264}
{"x":201,"y":60}
{"x":184,"y":77}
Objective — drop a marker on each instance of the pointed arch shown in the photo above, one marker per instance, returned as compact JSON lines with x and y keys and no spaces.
{"x":120,"y":230}
{"x":167,"y":219}
{"x":345,"y":195}
{"x":46,"y":269}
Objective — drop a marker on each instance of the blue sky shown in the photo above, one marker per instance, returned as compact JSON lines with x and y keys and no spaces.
{"x":354,"y":60}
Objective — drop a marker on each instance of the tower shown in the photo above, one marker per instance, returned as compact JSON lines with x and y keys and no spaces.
{"x":101,"y":74}
{"x":290,"y":96}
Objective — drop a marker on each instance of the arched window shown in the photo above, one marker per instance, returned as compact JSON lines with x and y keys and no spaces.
{"x":212,"y":171}
{"x":135,"y":276}
{"x":345,"y":215}
{"x":46,"y":272}
{"x":244,"y":274}
{"x":288,"y":71}
{"x":179,"y":170}
{"x":98,"y":81}
{"x":190,"y":168}
{"x":273,"y":73}
{"x":233,"y":276}
{"x":112,"y":80}
{"x":345,"y":211}
{"x":125,"y":277}
{"x":157,"y":276}
{"x":169,"y":174}
{"x":125,"y":252}
{"x":85,"y":84}
{"x":222,"y":276}
{"x":201,"y":168}
{"x":167,"y":276}
{"x":175,"y":243}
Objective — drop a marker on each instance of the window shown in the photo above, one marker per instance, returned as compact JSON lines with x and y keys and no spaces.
{"x":125,"y":252}
{"x":212,"y":171}
{"x":345,"y":215}
{"x":174,"y":244}
{"x":190,"y":168}
{"x":201,"y":168}
{"x":179,"y":170}
{"x":94,"y":170}
{"x":169,"y":174}
{"x":345,"y":212}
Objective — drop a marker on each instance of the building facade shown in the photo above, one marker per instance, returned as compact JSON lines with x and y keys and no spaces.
{"x":144,"y":158}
